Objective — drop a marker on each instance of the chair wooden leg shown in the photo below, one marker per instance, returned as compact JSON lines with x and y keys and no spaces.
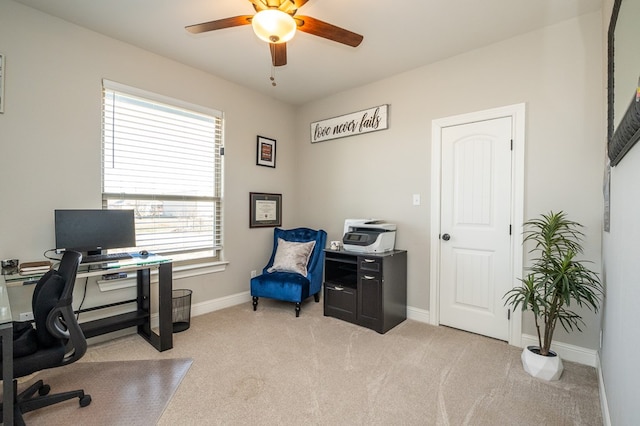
{"x":297,"y":309}
{"x":255,"y":303}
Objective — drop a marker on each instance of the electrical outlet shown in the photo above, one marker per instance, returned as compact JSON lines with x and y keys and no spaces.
{"x":26,"y":316}
{"x":253,"y":274}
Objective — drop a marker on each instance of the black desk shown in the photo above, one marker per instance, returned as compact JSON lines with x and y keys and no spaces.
{"x":6,"y":332}
{"x":141,"y":317}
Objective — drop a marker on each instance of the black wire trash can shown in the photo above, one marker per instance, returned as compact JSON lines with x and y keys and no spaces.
{"x":181,"y":309}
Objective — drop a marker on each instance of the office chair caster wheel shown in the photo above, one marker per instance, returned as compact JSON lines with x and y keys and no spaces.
{"x":85,"y":400}
{"x":44,"y":390}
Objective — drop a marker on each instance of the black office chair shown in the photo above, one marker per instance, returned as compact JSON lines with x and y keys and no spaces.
{"x":55,"y":341}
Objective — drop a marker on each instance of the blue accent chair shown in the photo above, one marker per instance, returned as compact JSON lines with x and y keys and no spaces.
{"x":292,"y":286}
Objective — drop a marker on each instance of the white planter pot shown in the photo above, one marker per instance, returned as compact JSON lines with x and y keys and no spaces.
{"x":542,"y":367}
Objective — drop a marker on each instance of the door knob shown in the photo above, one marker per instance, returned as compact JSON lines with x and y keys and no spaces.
{"x":446,"y":237}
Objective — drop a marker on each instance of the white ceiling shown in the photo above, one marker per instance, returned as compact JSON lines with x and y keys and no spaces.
{"x":398,"y":36}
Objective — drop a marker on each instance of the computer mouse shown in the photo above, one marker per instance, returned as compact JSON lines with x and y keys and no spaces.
{"x":144,"y":253}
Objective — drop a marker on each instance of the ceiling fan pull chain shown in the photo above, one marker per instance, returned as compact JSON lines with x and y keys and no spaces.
{"x":272,"y":78}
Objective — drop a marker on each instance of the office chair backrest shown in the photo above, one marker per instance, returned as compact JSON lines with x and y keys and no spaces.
{"x":45,"y":297}
{"x":53,"y":311}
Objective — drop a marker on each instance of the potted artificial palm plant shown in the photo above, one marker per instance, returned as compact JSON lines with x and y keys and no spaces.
{"x":556,"y":279}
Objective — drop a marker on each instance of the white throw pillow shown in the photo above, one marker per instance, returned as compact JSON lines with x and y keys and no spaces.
{"x":292,"y":257}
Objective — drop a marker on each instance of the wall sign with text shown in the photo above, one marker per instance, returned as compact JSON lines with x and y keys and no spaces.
{"x":356,"y":123}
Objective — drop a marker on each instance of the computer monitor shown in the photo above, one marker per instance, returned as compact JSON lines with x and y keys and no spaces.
{"x":92,"y":231}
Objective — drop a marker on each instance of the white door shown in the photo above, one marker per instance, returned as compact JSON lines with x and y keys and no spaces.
{"x":475,"y":228}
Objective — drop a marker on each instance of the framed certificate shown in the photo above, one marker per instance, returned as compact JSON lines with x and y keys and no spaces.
{"x":265,"y":210}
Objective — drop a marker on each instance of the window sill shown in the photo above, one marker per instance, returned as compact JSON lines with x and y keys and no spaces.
{"x":194,"y":264}
{"x":181,"y":269}
{"x":189,"y":269}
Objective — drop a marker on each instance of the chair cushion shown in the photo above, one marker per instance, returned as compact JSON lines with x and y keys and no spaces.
{"x":28,"y":356}
{"x":292,"y":257}
{"x":25,"y":341}
{"x":287,"y":286}
{"x":42,"y":359}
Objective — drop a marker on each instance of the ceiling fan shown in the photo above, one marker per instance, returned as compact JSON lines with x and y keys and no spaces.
{"x":276,"y":22}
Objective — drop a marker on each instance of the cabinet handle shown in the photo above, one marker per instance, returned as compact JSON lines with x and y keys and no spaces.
{"x":368,"y":277}
{"x":369,"y":260}
{"x":337,"y":287}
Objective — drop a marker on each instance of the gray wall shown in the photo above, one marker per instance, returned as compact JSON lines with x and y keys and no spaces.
{"x":621,"y":316}
{"x":556,"y":72}
{"x":52,"y":125}
{"x":50,"y":140}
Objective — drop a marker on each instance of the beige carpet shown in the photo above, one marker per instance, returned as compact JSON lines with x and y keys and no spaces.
{"x":271,"y":368}
{"x":122,"y":392}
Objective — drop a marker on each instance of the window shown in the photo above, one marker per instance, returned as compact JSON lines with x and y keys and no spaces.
{"x":163,"y":158}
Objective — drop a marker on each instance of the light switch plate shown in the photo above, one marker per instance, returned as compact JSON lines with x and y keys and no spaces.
{"x":416,"y":199}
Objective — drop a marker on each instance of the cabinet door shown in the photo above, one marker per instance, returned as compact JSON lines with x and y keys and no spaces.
{"x":370,"y":300}
{"x":340,"y":301}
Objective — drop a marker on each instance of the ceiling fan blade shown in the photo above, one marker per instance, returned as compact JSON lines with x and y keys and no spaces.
{"x":259,"y":5}
{"x":300,"y":3}
{"x":219,"y":24}
{"x":286,"y":6}
{"x":325,"y":30}
{"x":278,"y":54}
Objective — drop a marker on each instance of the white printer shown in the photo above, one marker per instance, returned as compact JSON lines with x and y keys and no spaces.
{"x":369,"y":235}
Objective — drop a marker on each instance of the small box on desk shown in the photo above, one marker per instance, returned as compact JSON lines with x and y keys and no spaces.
{"x":114,"y":276}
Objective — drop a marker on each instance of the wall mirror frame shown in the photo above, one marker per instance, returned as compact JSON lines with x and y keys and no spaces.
{"x":623,"y":71}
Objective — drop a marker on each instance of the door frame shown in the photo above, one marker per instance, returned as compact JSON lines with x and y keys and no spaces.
{"x":517,"y":114}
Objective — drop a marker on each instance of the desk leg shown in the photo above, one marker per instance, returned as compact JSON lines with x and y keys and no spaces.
{"x":164,"y":340}
{"x":143,"y":283}
{"x":165,"y":297}
{"x":7,"y":374}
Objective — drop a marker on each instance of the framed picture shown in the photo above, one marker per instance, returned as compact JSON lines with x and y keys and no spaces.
{"x":265,"y":210}
{"x":266,"y":152}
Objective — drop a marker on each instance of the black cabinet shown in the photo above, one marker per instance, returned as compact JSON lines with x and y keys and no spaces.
{"x":366,"y":289}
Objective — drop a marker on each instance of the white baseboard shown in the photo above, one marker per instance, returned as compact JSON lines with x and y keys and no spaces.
{"x":417,"y":314}
{"x":566,"y":351}
{"x":221,"y":303}
{"x":604,"y":405}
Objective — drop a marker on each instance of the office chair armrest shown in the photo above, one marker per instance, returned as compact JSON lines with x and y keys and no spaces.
{"x":56,"y":324}
{"x":62,"y":323}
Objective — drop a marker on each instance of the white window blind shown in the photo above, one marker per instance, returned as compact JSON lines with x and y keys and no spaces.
{"x":162,"y":158}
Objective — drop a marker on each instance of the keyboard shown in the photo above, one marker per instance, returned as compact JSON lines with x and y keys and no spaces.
{"x":110,"y":257}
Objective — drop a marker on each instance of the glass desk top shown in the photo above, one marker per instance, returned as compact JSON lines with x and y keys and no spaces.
{"x":94,"y":269}
{"x":5,"y":307}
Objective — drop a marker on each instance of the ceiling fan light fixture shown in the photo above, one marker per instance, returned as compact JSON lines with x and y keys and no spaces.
{"x":274,"y":26}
